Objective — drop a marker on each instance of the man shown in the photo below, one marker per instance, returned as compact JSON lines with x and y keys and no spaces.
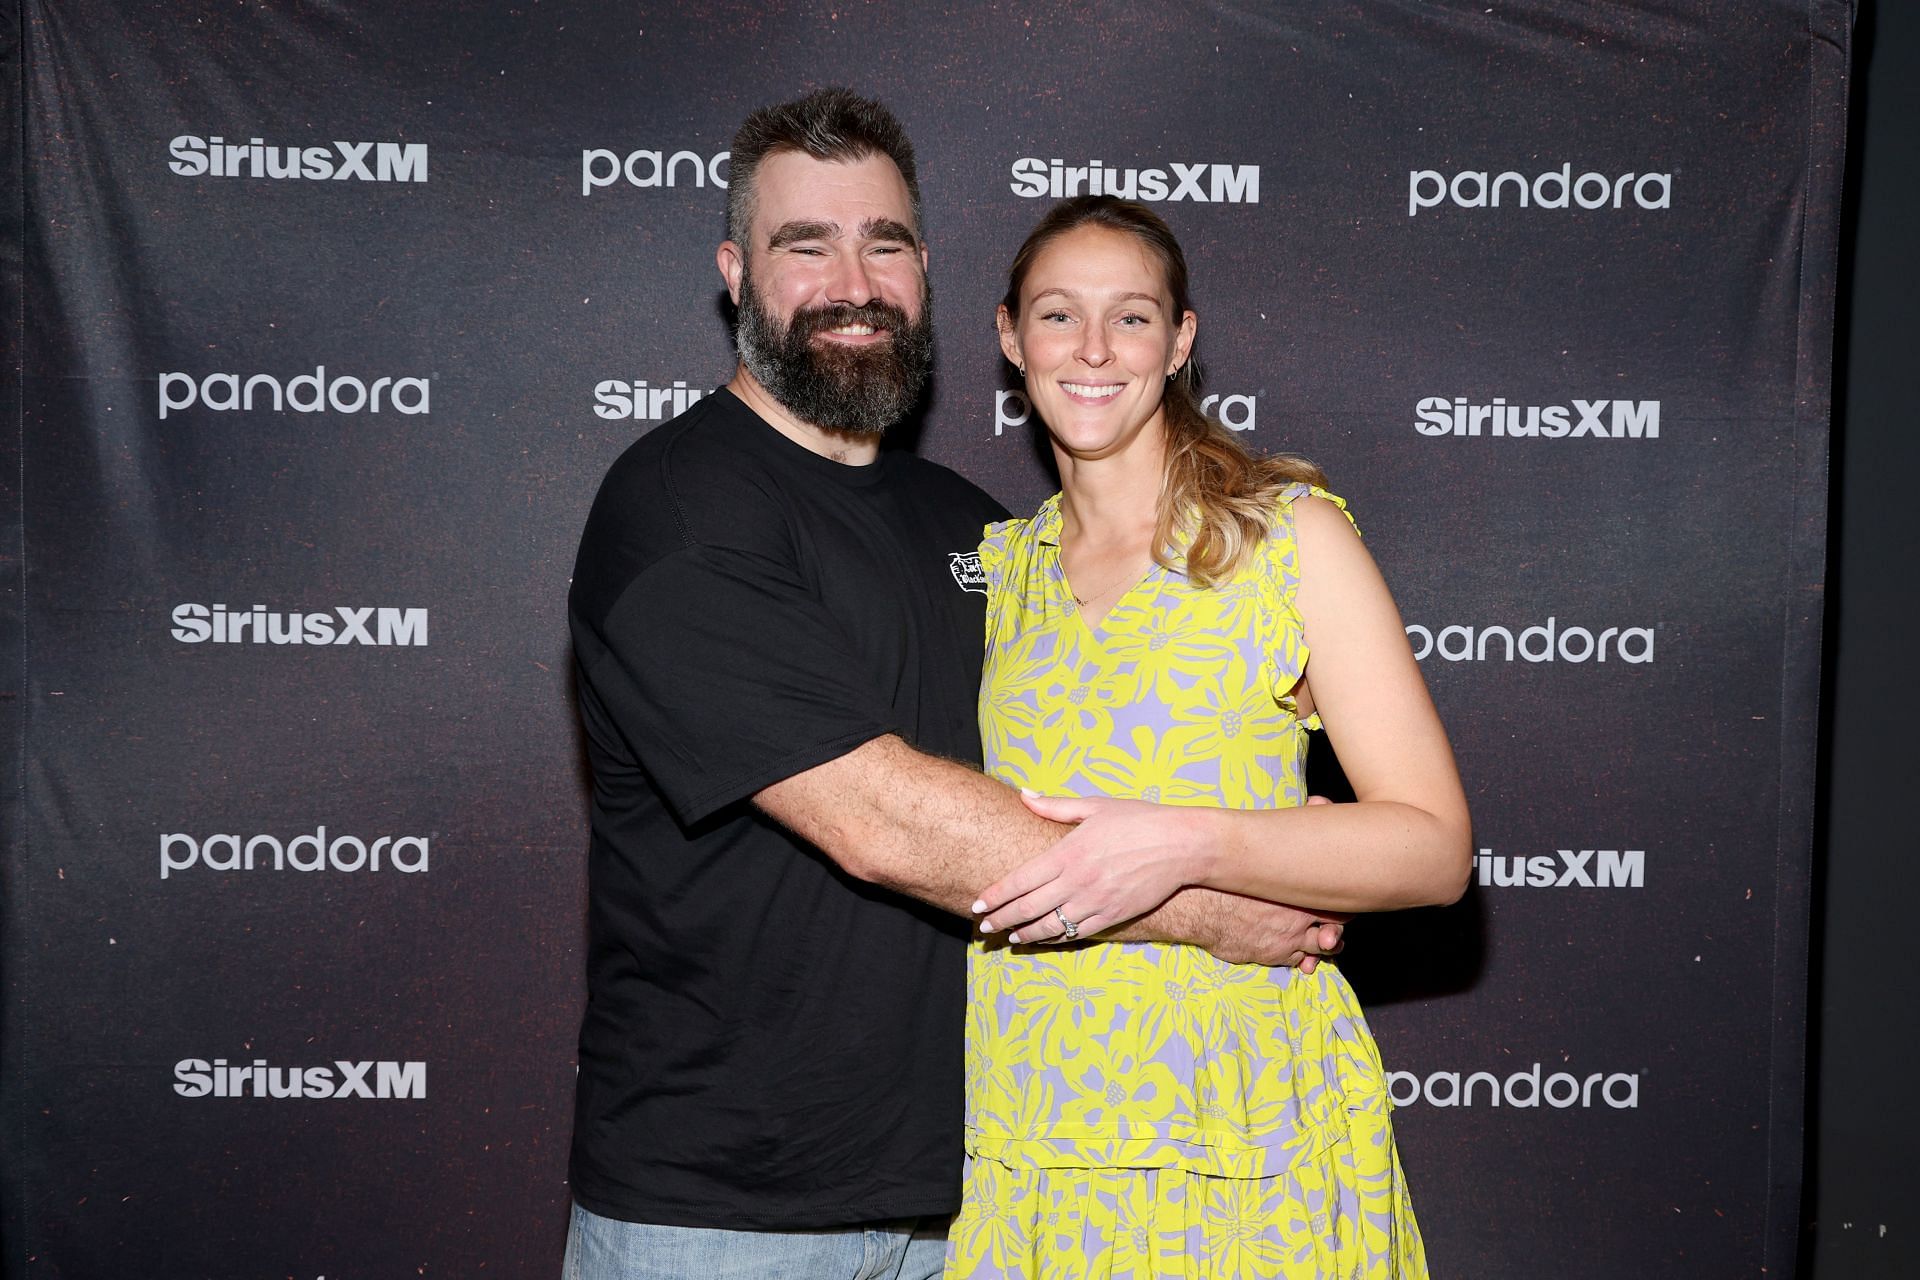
{"x":778,"y":638}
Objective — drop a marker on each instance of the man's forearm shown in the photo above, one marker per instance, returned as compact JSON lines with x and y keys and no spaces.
{"x":920,"y":825}
{"x":940,"y":831}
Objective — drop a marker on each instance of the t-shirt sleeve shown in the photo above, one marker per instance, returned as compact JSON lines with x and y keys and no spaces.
{"x":725,"y":675}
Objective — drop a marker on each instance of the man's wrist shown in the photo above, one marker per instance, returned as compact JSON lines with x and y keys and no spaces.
{"x":1190,"y":916}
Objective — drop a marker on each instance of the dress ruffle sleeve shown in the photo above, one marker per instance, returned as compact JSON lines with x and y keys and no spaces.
{"x":1279,"y":580}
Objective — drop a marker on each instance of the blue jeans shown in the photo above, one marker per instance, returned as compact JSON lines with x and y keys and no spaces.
{"x":607,"y":1249}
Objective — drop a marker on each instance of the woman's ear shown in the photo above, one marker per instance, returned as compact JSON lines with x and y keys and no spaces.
{"x":1183,"y":341}
{"x":1009,"y":340}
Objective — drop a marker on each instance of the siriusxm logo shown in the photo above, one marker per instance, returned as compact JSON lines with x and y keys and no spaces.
{"x":602,"y":168}
{"x":304,"y":393}
{"x":200,"y":1078}
{"x":217,"y":624}
{"x":616,"y":399}
{"x":1523,"y":1089}
{"x":1598,"y":419}
{"x":1555,"y":189}
{"x":195,"y":157}
{"x":1564,"y":869}
{"x":1013,"y":409}
{"x":181,"y":852}
{"x":1203,"y":183}
{"x":1541,"y":643}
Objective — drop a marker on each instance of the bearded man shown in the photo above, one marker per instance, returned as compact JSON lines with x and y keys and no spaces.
{"x":778,"y":630}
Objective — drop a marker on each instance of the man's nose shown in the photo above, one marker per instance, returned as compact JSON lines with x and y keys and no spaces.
{"x":850,"y":281}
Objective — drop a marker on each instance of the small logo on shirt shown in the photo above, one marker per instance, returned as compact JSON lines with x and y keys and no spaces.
{"x":965,"y":566}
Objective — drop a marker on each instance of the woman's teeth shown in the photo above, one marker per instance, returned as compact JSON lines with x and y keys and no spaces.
{"x":1086,"y":392}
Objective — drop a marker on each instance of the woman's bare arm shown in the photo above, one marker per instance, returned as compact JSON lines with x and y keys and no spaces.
{"x":1406,"y":843}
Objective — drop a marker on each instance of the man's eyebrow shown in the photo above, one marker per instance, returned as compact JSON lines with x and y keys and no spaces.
{"x":888,"y":229}
{"x":884,"y":229}
{"x":792,"y":232}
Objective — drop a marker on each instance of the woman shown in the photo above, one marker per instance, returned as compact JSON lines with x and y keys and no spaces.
{"x":1141,"y":1110}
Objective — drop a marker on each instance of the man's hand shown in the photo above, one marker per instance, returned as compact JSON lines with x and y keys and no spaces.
{"x":1250,"y":931}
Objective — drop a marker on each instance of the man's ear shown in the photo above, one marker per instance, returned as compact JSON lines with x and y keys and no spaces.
{"x":732,"y":266}
{"x":1009,"y":342}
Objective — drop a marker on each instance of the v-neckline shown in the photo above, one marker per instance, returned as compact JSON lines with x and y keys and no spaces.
{"x":1098,"y":629}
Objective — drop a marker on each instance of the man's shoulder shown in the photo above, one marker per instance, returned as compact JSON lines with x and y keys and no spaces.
{"x":693,"y":476}
{"x":948,"y":485}
{"x":683,"y":485}
{"x":690,"y":450}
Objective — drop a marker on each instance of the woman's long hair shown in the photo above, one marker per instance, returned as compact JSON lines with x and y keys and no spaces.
{"x":1213,"y":493}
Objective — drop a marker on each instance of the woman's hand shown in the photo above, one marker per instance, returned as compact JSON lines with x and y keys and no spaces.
{"x":1123,"y":859}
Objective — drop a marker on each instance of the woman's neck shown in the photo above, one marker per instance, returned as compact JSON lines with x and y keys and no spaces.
{"x":1111,"y":501}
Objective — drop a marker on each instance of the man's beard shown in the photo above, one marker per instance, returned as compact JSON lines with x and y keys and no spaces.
{"x":858,"y":389}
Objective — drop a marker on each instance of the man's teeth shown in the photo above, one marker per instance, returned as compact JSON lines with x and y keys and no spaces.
{"x":853,"y":330}
{"x":1081,"y":389}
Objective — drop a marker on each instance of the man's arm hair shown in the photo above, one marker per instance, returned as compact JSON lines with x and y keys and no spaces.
{"x":940,"y":831}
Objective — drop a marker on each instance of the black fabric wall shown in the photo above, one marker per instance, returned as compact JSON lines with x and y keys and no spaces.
{"x":297,"y":463}
{"x":1863,"y":1186}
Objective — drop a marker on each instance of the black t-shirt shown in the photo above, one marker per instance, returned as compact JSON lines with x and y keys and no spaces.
{"x":768,"y":1043}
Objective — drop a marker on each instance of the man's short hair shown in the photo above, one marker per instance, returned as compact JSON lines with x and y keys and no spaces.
{"x":827,"y":124}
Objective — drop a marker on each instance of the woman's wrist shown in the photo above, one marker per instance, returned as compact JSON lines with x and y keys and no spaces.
{"x":1206,"y":832}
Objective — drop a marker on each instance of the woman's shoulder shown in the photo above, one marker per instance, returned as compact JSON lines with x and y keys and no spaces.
{"x":1302,"y":503}
{"x":1299,"y":492}
{"x":1299,"y":507}
{"x":1004,"y":538}
{"x":1003,"y":532}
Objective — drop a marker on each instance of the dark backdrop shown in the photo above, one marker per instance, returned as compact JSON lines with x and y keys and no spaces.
{"x":1863,"y":1188}
{"x":232,"y":857}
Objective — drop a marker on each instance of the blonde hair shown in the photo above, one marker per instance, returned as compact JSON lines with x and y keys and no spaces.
{"x":1213,"y":494}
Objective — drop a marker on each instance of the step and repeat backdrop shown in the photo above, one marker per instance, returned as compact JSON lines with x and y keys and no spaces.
{"x":332,"y":316}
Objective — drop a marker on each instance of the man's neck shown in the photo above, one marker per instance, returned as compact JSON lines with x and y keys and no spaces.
{"x":856,"y":449}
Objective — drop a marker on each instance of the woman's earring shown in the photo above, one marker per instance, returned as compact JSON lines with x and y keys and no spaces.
{"x":1023,"y":371}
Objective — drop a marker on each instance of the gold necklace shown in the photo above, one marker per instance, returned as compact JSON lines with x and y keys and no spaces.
{"x":1115,"y":582}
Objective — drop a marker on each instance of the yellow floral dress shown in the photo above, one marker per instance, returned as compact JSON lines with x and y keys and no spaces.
{"x":1138,"y":1111}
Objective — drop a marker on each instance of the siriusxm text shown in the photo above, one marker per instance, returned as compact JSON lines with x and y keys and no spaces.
{"x":1203,"y":183}
{"x":218,"y":1078}
{"x":215,"y":157}
{"x":376,"y":625}
{"x":1564,"y":869}
{"x":1595,"y":419}
{"x":614,"y":398}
